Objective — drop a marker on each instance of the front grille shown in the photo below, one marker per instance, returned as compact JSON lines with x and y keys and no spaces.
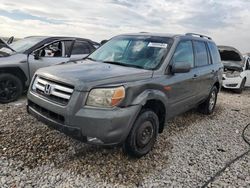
{"x":47,"y":113}
{"x":53,"y":91}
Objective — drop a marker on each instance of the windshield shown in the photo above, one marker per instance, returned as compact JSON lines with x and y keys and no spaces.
{"x":135,"y":51}
{"x":25,"y":44}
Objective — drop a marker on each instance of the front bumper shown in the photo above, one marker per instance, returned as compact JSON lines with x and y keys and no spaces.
{"x":231,"y":83}
{"x":91,"y":125}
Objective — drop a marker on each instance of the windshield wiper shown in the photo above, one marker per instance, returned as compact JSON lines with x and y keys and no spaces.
{"x":123,"y":64}
{"x":89,"y":58}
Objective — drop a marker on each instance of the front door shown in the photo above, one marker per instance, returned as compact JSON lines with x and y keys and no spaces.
{"x":51,"y":54}
{"x":182,"y":86}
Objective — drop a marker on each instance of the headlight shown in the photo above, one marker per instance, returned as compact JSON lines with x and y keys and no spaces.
{"x":105,"y":97}
{"x":34,"y":84}
{"x":232,"y":74}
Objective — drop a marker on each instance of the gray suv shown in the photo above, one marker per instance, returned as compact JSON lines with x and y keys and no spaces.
{"x":123,"y":93}
{"x":19,"y":60}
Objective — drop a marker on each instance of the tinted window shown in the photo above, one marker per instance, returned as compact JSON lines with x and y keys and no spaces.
{"x":214,"y":52}
{"x":201,"y":58}
{"x":80,"y":48}
{"x":184,"y":53}
{"x":67,"y":45}
{"x":248,"y":64}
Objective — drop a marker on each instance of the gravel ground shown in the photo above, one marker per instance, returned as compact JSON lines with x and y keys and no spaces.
{"x":192,"y":148}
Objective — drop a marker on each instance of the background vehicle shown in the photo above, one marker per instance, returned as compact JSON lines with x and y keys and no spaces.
{"x":131,"y":85}
{"x":4,"y":43}
{"x":236,"y":69}
{"x":19,"y":60}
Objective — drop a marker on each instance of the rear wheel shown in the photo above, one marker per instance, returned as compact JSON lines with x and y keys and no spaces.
{"x":207,"y":107}
{"x":11,"y":88}
{"x":242,"y":86}
{"x":143,"y":134}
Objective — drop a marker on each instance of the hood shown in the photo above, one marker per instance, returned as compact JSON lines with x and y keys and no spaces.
{"x":233,"y":65}
{"x":231,"y":58}
{"x":5,"y":49}
{"x":87,"y":74}
{"x":4,"y":54}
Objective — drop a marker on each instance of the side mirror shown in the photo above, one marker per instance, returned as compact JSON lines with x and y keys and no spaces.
{"x":180,"y":67}
{"x":103,"y":42}
{"x":36,"y":55}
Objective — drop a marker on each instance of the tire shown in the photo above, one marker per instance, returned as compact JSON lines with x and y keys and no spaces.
{"x":11,"y":88}
{"x":208,"y":106}
{"x":143,"y":134}
{"x":242,"y":86}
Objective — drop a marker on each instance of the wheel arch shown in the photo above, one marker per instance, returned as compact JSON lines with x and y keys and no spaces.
{"x":155,"y":100}
{"x":16,"y":71}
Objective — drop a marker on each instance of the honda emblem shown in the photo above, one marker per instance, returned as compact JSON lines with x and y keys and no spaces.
{"x":47,"y":89}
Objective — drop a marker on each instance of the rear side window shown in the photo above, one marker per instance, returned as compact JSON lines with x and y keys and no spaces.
{"x":184,"y":53}
{"x":201,"y":55}
{"x":81,"y":48}
{"x":248,"y":64}
{"x":214,"y":53}
{"x":68,"y":45}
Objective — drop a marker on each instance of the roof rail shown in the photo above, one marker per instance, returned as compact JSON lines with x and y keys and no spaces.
{"x":199,"y":35}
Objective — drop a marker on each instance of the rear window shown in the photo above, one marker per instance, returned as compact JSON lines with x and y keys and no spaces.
{"x":81,"y":48}
{"x":201,"y":55}
{"x":214,"y":53}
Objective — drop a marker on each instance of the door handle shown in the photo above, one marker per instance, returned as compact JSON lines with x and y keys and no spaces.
{"x":195,"y":76}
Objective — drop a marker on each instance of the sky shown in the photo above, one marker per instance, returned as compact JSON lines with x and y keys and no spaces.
{"x":226,"y":21}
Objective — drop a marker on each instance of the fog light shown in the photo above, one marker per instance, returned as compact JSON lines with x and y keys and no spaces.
{"x":94,"y":140}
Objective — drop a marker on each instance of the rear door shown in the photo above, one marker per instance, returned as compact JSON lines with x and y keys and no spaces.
{"x":205,"y":72}
{"x":57,"y":52}
{"x":80,"y":50}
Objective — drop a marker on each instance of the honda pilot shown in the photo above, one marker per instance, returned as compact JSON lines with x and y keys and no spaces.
{"x":125,"y":91}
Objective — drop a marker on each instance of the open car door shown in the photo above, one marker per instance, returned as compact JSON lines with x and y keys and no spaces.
{"x":54,"y":53}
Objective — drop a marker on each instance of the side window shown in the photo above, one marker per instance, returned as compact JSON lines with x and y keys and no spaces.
{"x":184,"y":53}
{"x":201,"y":55}
{"x":52,"y":50}
{"x":68,"y":45}
{"x":248,"y":64}
{"x":214,"y":53}
{"x":80,"y":48}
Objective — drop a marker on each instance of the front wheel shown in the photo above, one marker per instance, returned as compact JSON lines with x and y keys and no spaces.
{"x":242,"y":86}
{"x":207,"y":107}
{"x":11,"y":88}
{"x":142,"y":136}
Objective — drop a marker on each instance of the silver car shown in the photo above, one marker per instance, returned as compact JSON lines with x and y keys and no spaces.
{"x":20,"y":60}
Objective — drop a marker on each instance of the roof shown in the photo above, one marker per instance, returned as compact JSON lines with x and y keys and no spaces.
{"x":58,"y":37}
{"x":187,"y":35}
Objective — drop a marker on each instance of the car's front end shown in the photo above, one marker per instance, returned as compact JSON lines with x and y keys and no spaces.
{"x":233,"y":62}
{"x":92,"y":115}
{"x":68,"y":111}
{"x":91,"y":100}
{"x":232,"y":78}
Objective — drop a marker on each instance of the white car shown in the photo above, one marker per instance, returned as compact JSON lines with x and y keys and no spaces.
{"x":236,"y":74}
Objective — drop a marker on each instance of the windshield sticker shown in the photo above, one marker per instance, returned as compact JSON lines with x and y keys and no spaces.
{"x":157,"y":45}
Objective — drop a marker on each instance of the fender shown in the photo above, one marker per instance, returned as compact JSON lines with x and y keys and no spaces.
{"x":151,"y":94}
